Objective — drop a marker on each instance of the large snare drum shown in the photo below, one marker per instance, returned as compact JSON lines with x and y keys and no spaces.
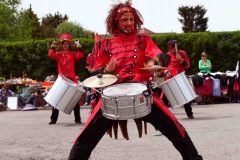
{"x":126,"y":101}
{"x":178,"y":90}
{"x":64,"y":94}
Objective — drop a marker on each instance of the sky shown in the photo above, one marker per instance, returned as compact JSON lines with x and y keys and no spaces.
{"x":159,"y":16}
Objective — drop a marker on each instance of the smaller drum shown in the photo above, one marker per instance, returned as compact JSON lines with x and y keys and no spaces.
{"x":64,"y":94}
{"x":126,"y":101}
{"x":178,"y":90}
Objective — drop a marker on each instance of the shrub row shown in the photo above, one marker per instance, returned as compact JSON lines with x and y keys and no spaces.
{"x":223,"y":49}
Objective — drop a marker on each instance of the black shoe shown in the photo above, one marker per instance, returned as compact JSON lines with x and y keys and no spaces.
{"x":191,"y":117}
{"x":79,"y":122}
{"x":52,"y":122}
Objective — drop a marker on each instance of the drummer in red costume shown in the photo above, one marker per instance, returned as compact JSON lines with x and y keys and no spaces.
{"x":66,"y":66}
{"x":178,"y":63}
{"x":124,"y":55}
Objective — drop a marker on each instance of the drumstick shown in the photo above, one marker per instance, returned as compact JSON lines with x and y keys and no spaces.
{"x":176,"y":48}
{"x":99,"y":92}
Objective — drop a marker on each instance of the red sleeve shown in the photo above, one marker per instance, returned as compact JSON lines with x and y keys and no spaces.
{"x":100,"y":57}
{"x":52,"y":54}
{"x":151,"y":49}
{"x":184,"y":56}
{"x":78,"y":55}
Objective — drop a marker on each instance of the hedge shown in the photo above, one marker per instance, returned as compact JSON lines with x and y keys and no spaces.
{"x":223,"y":49}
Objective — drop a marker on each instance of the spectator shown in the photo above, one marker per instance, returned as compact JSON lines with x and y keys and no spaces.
{"x":204,"y":64}
{"x":51,"y":79}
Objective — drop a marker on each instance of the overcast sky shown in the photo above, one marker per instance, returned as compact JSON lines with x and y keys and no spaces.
{"x":159,"y":16}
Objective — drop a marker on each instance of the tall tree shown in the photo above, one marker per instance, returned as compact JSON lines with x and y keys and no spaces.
{"x":50,"y":23}
{"x":29,"y":26}
{"x":37,"y":32}
{"x":193,"y":18}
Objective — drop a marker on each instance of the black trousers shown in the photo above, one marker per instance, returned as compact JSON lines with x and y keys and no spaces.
{"x":188,"y":109}
{"x":88,"y":140}
{"x":55,"y":113}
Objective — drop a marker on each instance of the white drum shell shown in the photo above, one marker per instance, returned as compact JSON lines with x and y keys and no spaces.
{"x":178,"y":90}
{"x":129,"y":106}
{"x":64,"y":94}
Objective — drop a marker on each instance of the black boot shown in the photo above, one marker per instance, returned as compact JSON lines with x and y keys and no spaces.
{"x":52,"y":122}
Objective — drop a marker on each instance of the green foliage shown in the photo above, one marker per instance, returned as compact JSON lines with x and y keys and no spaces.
{"x":193,"y":18}
{"x":24,"y":29}
{"x":32,"y":56}
{"x":223,"y":49}
{"x":8,"y":14}
{"x":50,"y":23}
{"x":18,"y":25}
{"x":73,"y":28}
{"x":36,"y":30}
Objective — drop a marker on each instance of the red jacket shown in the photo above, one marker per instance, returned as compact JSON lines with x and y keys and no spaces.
{"x":66,"y":62}
{"x":175,"y":67}
{"x":130,"y":52}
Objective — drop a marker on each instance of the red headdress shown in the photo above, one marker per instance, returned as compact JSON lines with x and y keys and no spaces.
{"x":128,"y":8}
{"x":65,"y":37}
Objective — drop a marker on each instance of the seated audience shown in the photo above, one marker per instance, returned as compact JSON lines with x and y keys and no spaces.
{"x":204,"y":64}
{"x":5,"y":92}
{"x":51,"y":79}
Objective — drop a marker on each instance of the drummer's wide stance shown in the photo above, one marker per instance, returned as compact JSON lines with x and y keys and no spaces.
{"x":66,"y":59}
{"x":124,"y":55}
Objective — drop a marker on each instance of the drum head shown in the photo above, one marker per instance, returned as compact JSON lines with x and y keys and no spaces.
{"x":124,"y":89}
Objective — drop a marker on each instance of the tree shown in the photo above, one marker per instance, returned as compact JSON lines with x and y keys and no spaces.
{"x":193,"y":18}
{"x":75,"y":29}
{"x":29,"y":26}
{"x":37,"y":32}
{"x":24,"y":29}
{"x":8,"y":12}
{"x":50,"y":23}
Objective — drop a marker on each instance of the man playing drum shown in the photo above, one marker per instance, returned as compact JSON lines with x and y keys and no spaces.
{"x":124,"y":55}
{"x":179,"y":61}
{"x":66,"y":66}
